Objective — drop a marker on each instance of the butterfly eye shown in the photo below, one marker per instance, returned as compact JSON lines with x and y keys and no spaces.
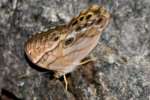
{"x":69,"y":41}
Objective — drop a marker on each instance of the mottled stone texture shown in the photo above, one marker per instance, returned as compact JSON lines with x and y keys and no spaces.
{"x":128,"y":32}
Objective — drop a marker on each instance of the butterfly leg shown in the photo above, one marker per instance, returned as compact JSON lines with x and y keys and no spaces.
{"x":58,"y":75}
{"x":88,"y":59}
{"x":66,"y":82}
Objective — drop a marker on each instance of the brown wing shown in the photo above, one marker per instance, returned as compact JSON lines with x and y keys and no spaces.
{"x":42,"y":43}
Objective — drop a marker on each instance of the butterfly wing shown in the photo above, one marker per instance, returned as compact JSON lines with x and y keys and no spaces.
{"x":86,"y":31}
{"x":39,"y":47}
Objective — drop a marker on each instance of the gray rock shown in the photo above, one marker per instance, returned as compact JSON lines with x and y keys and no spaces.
{"x":105,"y":79}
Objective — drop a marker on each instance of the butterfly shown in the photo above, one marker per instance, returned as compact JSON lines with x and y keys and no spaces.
{"x":63,"y":48}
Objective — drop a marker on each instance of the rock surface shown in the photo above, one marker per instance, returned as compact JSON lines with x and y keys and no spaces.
{"x":128,"y":32}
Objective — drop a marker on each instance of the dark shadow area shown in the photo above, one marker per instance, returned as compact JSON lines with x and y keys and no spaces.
{"x":6,"y":95}
{"x":67,"y":76}
{"x":46,"y":73}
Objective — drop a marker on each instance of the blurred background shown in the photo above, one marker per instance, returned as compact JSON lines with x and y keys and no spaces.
{"x":105,"y":79}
